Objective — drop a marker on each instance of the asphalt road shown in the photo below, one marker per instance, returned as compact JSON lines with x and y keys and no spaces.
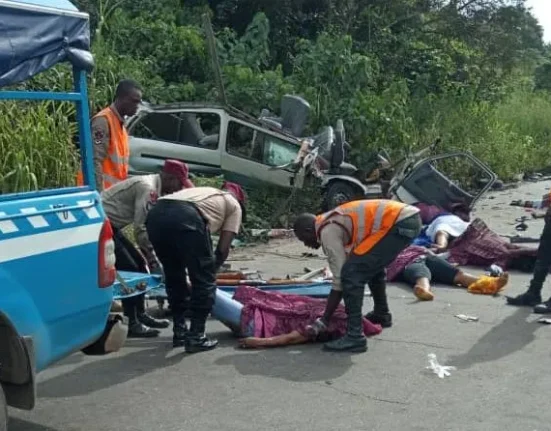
{"x":501,"y":381}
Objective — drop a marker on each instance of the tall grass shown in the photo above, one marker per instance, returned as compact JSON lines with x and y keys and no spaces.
{"x":36,"y":146}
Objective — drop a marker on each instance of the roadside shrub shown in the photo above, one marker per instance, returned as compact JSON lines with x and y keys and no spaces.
{"x":36,"y":146}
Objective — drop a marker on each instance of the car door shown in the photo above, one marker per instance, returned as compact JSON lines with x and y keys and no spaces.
{"x":191,"y":136}
{"x":447,"y":180}
{"x":249,"y":151}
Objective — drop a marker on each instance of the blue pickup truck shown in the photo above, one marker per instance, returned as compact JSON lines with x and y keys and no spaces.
{"x":57,"y":262}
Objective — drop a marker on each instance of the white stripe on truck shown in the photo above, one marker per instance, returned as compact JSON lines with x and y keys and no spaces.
{"x":40,"y":243}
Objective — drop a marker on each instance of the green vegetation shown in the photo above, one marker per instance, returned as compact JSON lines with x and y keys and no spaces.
{"x":399,"y":73}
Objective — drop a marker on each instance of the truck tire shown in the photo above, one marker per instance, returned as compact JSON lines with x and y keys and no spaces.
{"x":3,"y":411}
{"x":338,"y":193}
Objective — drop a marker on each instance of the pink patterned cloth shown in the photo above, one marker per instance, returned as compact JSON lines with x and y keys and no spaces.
{"x":277,"y":313}
{"x":407,"y":256}
{"x":480,"y":246}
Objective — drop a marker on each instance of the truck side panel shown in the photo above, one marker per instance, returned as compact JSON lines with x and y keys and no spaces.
{"x":49,"y":272}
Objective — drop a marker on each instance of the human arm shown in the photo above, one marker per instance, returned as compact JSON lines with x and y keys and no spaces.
{"x":100,"y":136}
{"x":145,"y":198}
{"x":223,"y":248}
{"x":289,"y":339}
{"x":332,"y":240}
{"x":230,"y":228}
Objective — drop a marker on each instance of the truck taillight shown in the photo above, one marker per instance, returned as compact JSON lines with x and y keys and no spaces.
{"x":106,"y":256}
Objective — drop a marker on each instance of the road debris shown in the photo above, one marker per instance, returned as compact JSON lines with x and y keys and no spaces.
{"x":440,"y":370}
{"x":467,"y":318}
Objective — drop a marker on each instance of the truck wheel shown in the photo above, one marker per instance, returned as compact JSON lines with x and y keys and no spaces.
{"x":339,"y":193}
{"x":3,"y":411}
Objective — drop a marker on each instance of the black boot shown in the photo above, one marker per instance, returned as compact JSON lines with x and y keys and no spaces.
{"x":530,"y":298}
{"x":197,"y":341}
{"x":150,"y":321}
{"x":378,"y":318}
{"x":180,"y":331}
{"x":354,"y":341}
{"x":145,"y":318}
{"x":136,"y":329}
{"x":543,"y":308}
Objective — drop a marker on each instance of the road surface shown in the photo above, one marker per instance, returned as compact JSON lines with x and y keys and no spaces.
{"x":501,"y":381}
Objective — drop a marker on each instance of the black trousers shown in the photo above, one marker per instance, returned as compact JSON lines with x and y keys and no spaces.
{"x":369,"y":268}
{"x":128,"y":258}
{"x":543,"y":260}
{"x":182,"y":241}
{"x":432,"y":267}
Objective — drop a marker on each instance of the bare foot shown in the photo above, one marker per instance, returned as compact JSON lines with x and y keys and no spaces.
{"x":423,"y":294}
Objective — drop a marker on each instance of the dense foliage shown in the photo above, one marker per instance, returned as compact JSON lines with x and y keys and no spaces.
{"x":400,"y":73}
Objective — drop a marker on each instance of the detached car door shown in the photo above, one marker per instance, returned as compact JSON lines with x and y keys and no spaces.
{"x":250,"y":151}
{"x":447,"y":180}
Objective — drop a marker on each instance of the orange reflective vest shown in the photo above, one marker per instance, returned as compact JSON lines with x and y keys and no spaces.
{"x":371,"y":221}
{"x":115,"y":165}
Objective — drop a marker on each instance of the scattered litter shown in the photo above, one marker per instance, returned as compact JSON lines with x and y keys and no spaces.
{"x":545,"y":321}
{"x":521,"y":226}
{"x":312,"y":274}
{"x":467,"y":318}
{"x":440,"y":370}
{"x":307,"y":254}
{"x":494,"y":270}
{"x":272,"y":233}
{"x":517,"y":239}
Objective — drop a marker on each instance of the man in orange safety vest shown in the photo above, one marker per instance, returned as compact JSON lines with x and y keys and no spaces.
{"x":360,"y":239}
{"x":110,"y":138}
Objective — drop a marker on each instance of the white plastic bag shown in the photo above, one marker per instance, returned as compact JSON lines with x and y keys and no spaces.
{"x":440,"y":370}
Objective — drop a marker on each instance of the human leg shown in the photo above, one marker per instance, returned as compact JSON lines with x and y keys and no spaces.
{"x":418,"y":275}
{"x":532,"y":296}
{"x":200,"y":262}
{"x":127,"y":261}
{"x":166,"y":237}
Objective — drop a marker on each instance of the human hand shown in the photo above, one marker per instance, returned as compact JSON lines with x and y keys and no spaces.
{"x":317,"y":327}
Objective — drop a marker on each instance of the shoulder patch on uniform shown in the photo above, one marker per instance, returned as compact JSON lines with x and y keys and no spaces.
{"x":99,"y":135}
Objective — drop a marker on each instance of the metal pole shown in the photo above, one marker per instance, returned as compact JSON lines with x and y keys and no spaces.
{"x":211,"y":44}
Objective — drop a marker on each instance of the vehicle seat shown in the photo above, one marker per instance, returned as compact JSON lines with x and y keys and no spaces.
{"x":192,"y":134}
{"x":294,"y":115}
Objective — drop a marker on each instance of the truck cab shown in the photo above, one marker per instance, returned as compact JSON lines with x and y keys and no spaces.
{"x":57,"y":260}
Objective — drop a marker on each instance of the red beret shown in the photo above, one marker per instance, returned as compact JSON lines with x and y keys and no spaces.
{"x":180,"y":170}
{"x":236,"y":191}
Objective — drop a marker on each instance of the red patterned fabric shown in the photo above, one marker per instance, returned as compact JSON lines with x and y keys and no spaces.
{"x":276,"y":313}
{"x":480,"y":246}
{"x":407,"y":256}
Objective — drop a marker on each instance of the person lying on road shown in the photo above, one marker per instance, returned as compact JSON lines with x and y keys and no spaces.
{"x":418,"y":266}
{"x":273,"y":319}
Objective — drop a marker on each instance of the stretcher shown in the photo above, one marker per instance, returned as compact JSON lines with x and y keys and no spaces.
{"x":129,"y":284}
{"x":314,"y":290}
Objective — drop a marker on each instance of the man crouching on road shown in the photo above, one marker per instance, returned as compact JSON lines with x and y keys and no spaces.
{"x":126,"y":203}
{"x":360,"y":239}
{"x":179,"y":227}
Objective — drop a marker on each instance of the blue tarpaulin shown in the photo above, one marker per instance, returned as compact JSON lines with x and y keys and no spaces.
{"x":35,"y":35}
